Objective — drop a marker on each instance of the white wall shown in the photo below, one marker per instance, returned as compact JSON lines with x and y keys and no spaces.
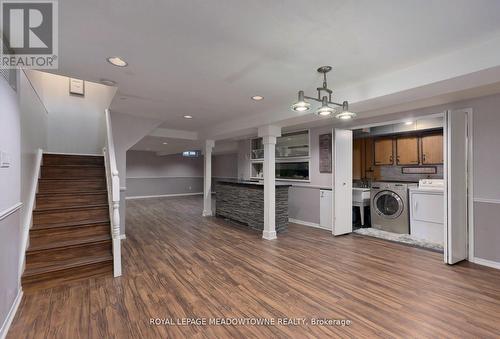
{"x":10,"y":196}
{"x":225,"y":165}
{"x":150,"y":175}
{"x":127,"y":131}
{"x":76,"y":123}
{"x":34,"y":127}
{"x":147,"y":165}
{"x":244,"y":171}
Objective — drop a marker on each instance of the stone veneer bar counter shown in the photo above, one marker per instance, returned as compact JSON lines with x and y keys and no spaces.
{"x":243,"y":201}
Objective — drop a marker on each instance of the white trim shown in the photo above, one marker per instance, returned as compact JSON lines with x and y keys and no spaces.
{"x":396,"y":121}
{"x":318,"y":187}
{"x":83,"y":154}
{"x":12,"y":313}
{"x":486,"y":200}
{"x":485,"y":262}
{"x":123,"y":236}
{"x":26,"y":224}
{"x":470,"y":180}
{"x":11,"y":210}
{"x":269,"y":235}
{"x":123,"y":188}
{"x":307,"y":223}
{"x":162,"y":196}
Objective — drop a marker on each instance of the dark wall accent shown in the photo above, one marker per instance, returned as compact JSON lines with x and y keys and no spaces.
{"x":245,"y":204}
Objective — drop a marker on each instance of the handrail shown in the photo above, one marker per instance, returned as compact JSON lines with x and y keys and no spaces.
{"x":34,"y":90}
{"x":113,"y":183}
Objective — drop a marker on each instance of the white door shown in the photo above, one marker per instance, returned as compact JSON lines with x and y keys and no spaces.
{"x":325,"y":209}
{"x":456,"y":185}
{"x":342,"y":182}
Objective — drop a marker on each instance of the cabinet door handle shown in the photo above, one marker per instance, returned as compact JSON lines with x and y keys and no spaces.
{"x":423,"y":157}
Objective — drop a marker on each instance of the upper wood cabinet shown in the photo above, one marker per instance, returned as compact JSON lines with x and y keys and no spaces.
{"x":383,"y":149}
{"x":369,"y":162}
{"x":432,"y":149}
{"x":407,"y":150}
{"x":357,"y":158}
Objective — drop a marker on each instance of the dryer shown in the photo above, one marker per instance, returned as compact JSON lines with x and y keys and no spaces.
{"x":389,"y":206}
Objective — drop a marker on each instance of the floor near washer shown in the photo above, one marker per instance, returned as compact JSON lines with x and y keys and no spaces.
{"x":402,"y":238}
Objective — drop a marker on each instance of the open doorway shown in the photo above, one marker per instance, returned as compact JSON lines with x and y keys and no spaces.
{"x":411,"y":182}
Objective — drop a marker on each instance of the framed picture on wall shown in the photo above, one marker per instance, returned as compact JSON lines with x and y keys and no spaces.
{"x":325,"y":153}
{"x":77,"y":87}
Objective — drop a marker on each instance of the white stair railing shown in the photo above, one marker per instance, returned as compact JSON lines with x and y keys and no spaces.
{"x":113,"y":184}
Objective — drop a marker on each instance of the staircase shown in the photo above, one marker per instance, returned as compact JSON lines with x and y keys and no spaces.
{"x":70,"y":237}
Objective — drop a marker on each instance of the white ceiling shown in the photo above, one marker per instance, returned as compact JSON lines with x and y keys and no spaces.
{"x":207,"y":58}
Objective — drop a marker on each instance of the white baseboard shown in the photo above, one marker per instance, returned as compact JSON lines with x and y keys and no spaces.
{"x":307,"y":223}
{"x":10,"y":316}
{"x":487,"y":200}
{"x":123,"y":236}
{"x":485,"y":262}
{"x":163,"y":196}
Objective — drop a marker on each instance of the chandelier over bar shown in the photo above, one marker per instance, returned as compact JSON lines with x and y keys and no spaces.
{"x":341,"y":111}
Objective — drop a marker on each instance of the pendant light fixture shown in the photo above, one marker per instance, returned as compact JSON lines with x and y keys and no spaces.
{"x":325,"y":97}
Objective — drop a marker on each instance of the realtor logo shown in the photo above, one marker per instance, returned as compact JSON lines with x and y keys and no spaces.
{"x":29,"y":34}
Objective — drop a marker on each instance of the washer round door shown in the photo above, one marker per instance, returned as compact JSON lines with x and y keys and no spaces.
{"x":388,"y":204}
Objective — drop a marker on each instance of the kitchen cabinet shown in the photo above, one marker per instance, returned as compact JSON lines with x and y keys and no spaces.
{"x":432,"y":149}
{"x":357,"y":159}
{"x":383,"y":149}
{"x":407,"y":150}
{"x":369,"y":162}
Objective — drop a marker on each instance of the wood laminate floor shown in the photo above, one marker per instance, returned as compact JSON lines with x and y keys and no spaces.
{"x":178,"y":264}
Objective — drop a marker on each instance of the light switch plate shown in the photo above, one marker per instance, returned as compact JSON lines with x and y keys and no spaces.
{"x":4,"y":160}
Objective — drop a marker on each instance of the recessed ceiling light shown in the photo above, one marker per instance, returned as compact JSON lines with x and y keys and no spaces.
{"x":188,"y":117}
{"x":257,"y":97}
{"x":117,"y":61}
{"x":408,"y":122}
{"x":165,"y":143}
{"x":108,"y":82}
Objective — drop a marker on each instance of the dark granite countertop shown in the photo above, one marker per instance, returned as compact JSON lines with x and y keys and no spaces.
{"x":248,"y":182}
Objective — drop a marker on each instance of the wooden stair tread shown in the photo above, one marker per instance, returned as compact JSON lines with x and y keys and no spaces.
{"x":74,"y":179}
{"x":70,"y":243}
{"x":74,"y":166}
{"x":67,"y":264}
{"x":70,"y":238}
{"x":50,"y":194}
{"x":68,"y":224}
{"x":79,"y":207}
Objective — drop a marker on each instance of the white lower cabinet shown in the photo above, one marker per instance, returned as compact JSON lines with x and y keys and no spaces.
{"x":427,"y":215}
{"x":325,"y":209}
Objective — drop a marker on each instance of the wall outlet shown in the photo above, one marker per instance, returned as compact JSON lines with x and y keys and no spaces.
{"x":4,"y":160}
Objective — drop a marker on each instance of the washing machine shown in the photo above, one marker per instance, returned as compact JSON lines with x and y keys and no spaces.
{"x":389,"y":206}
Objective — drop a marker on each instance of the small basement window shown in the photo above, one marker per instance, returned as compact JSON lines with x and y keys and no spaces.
{"x":191,"y":154}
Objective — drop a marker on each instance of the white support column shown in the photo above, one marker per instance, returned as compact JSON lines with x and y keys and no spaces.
{"x":269,"y":135}
{"x":207,"y":178}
